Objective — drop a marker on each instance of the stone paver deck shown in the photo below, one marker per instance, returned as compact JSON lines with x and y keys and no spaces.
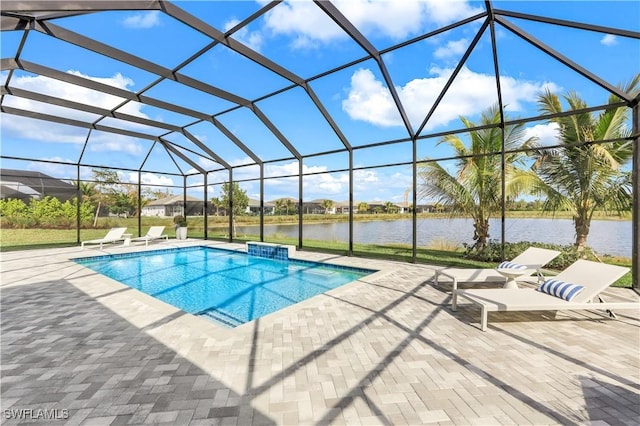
{"x":383,"y":350}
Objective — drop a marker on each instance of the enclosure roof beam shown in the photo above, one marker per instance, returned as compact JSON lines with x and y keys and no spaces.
{"x":72,"y":122}
{"x":205,"y":148}
{"x":359,"y":38}
{"x":10,"y":63}
{"x":211,"y":32}
{"x":570,"y":24}
{"x":12,"y":23}
{"x":31,"y":67}
{"x":32,"y":6}
{"x":453,"y":76}
{"x":169,"y":146}
{"x":247,"y":52}
{"x":135,"y":61}
{"x":235,"y":140}
{"x":258,"y":112}
{"x":52,"y":100}
{"x":563,"y":59}
{"x":140,"y":63}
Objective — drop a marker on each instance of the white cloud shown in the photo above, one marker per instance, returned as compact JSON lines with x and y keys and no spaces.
{"x":395,"y":19}
{"x":207,"y":164}
{"x":41,"y":131}
{"x":445,"y":12}
{"x":59,"y":171}
{"x":368,"y":99}
{"x":609,"y":40}
{"x":107,"y":142}
{"x":452,"y":48}
{"x":547,"y":134}
{"x":330,"y":185}
{"x":252,"y":39}
{"x":304,"y":21}
{"x":362,"y":178}
{"x":146,"y":178}
{"x":242,"y":161}
{"x":271,"y":170}
{"x":142,"y":20}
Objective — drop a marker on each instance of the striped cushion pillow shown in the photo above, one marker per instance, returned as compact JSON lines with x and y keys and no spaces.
{"x":511,"y":265}
{"x":566,"y":291}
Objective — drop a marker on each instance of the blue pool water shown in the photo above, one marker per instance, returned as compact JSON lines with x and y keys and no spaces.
{"x":229,"y":287}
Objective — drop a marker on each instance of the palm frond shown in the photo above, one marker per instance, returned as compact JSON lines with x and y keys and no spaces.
{"x":440,"y":186}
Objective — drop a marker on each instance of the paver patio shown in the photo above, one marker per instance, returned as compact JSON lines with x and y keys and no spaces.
{"x":383,"y":350}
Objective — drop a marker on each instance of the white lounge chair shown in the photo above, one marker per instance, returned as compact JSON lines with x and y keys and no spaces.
{"x":593,"y":276}
{"x":114,"y":235}
{"x":154,"y":233}
{"x":524,"y":265}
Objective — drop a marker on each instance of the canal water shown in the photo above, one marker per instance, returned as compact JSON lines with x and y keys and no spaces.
{"x":605,"y":237}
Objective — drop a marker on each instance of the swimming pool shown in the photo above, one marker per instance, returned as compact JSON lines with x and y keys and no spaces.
{"x":226,"y":286}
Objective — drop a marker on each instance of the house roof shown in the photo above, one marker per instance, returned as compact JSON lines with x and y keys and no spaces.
{"x":26,"y":184}
{"x":256,"y":203}
{"x":175,"y":199}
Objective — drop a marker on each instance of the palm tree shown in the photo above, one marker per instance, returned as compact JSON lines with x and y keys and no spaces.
{"x":87,"y":189}
{"x":475,"y":189}
{"x":389,"y":207}
{"x":289,"y":204}
{"x":89,"y":192}
{"x":92,"y":194}
{"x":581,"y":178}
{"x":326,"y":205}
{"x":363,"y":207}
{"x":285,"y":204}
{"x":279,"y":206}
{"x":217,"y":203}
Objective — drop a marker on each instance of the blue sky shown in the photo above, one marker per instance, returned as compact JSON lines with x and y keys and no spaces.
{"x":298,"y":36}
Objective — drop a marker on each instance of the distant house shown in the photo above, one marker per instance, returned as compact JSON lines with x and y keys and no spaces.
{"x":254,"y":207}
{"x":342,"y":207}
{"x":425,"y":208}
{"x":381,"y":207}
{"x":316,"y":207}
{"x":293,"y":205}
{"x":26,"y":185}
{"x":173,"y":206}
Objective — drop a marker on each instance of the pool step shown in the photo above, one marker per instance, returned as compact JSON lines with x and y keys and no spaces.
{"x":220,"y":317}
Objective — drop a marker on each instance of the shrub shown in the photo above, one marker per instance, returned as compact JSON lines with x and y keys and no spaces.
{"x":180,"y":221}
{"x":492,"y":252}
{"x":48,"y":212}
{"x":15,"y":213}
{"x":86,"y":212}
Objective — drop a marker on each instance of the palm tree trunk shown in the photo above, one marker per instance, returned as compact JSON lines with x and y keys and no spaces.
{"x":95,"y":219}
{"x":480,"y":233}
{"x":582,"y":232}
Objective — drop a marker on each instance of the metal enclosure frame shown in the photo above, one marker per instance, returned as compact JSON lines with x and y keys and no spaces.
{"x":40,"y":16}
